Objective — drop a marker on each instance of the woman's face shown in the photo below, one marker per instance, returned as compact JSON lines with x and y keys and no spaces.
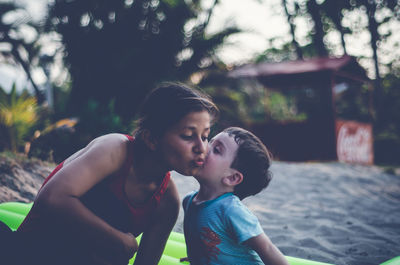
{"x":184,"y":145}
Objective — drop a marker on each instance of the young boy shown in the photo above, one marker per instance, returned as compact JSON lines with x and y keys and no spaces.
{"x":218,"y":228}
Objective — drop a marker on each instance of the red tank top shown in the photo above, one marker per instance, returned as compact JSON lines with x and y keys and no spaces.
{"x":108,"y":200}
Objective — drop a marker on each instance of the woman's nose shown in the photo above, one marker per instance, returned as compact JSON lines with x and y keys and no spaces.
{"x":201,"y":146}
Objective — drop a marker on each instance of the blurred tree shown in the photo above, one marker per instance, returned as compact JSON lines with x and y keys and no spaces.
{"x":318,"y":33}
{"x":290,"y":18}
{"x":284,"y":53}
{"x":334,"y":11}
{"x":117,"y":50}
{"x":328,"y":15}
{"x":387,"y":129}
{"x":372,"y":8}
{"x":313,"y":12}
{"x":17,"y":117}
{"x":21,"y":51}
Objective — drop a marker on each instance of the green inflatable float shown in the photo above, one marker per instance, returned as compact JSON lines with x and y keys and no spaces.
{"x":13,"y":213}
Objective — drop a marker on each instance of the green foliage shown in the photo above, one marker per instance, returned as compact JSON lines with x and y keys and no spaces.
{"x":273,"y":54}
{"x":97,"y":120}
{"x":387,"y":126}
{"x":352,"y":101}
{"x":246,"y":101}
{"x":231,"y":105}
{"x":61,"y":139}
{"x":17,"y":117}
{"x":283,"y":108}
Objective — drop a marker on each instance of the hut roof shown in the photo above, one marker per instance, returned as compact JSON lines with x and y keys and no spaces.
{"x":347,"y":64}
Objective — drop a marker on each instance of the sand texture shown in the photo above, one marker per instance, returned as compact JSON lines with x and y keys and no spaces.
{"x":329,"y":212}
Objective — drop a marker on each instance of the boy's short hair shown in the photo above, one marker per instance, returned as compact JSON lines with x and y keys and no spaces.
{"x":252,"y":160}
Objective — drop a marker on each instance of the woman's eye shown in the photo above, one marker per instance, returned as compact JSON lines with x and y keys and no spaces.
{"x":186,"y":137}
{"x":204,"y":138}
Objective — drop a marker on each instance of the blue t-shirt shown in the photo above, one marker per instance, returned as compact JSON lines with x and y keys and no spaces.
{"x":215,"y":231}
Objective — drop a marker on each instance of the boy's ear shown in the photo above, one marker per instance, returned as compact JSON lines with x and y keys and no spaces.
{"x":233,"y":179}
{"x":149,"y":140}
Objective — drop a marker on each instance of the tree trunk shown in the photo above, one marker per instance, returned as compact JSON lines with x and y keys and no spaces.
{"x":318,"y":36}
{"x":38,"y":94}
{"x":338,"y":23}
{"x":333,"y":9}
{"x":296,"y":45}
{"x":25,"y":66}
{"x":373,"y":29}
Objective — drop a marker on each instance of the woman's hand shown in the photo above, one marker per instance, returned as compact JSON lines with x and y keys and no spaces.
{"x":184,"y":259}
{"x":130,"y":245}
{"x":119,"y":254}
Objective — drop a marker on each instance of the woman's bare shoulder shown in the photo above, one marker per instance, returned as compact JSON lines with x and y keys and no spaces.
{"x":114,"y":144}
{"x":111,"y":138}
{"x":170,"y":202}
{"x":172,"y":191}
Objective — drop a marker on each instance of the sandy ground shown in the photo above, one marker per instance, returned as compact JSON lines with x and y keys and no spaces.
{"x":329,"y":212}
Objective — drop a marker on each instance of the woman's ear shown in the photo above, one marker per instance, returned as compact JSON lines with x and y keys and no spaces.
{"x":233,"y":179}
{"x":149,"y":140}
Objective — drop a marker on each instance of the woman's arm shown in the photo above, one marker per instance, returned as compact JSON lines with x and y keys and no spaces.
{"x":59,"y":198}
{"x":267,"y":251}
{"x":156,"y":235}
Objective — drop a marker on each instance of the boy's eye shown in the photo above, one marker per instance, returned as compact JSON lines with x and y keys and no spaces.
{"x":216,"y":150}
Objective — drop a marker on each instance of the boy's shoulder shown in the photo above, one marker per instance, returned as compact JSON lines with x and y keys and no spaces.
{"x":228,"y":204}
{"x":190,"y":195}
{"x":187,"y":198}
{"x":226,"y":201}
{"x":233,"y":203}
{"x":231,"y":199}
{"x":235,"y":209}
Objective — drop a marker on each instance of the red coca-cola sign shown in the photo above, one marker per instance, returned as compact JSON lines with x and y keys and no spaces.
{"x":354,"y":142}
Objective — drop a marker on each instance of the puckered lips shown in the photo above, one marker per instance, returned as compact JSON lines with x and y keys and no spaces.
{"x":199,"y":162}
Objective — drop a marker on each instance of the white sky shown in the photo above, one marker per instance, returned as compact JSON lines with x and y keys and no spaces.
{"x":37,"y":8}
{"x":260,"y":21}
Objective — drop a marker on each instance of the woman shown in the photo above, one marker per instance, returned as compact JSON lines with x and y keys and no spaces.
{"x":93,"y":205}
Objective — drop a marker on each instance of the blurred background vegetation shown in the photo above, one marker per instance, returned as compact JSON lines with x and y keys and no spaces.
{"x":111,"y":53}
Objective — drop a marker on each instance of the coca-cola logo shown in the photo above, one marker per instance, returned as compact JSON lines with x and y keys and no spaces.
{"x":354,"y":143}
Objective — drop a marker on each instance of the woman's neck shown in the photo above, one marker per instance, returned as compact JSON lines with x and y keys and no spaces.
{"x":148,"y":166}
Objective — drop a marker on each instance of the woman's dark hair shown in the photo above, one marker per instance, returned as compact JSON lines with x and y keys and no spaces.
{"x":168,"y":104}
{"x":252,"y":160}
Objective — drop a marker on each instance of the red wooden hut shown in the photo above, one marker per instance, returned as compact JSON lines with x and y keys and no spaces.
{"x":336,"y":92}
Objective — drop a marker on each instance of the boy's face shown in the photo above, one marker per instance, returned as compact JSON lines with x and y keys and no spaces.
{"x":221,"y":153}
